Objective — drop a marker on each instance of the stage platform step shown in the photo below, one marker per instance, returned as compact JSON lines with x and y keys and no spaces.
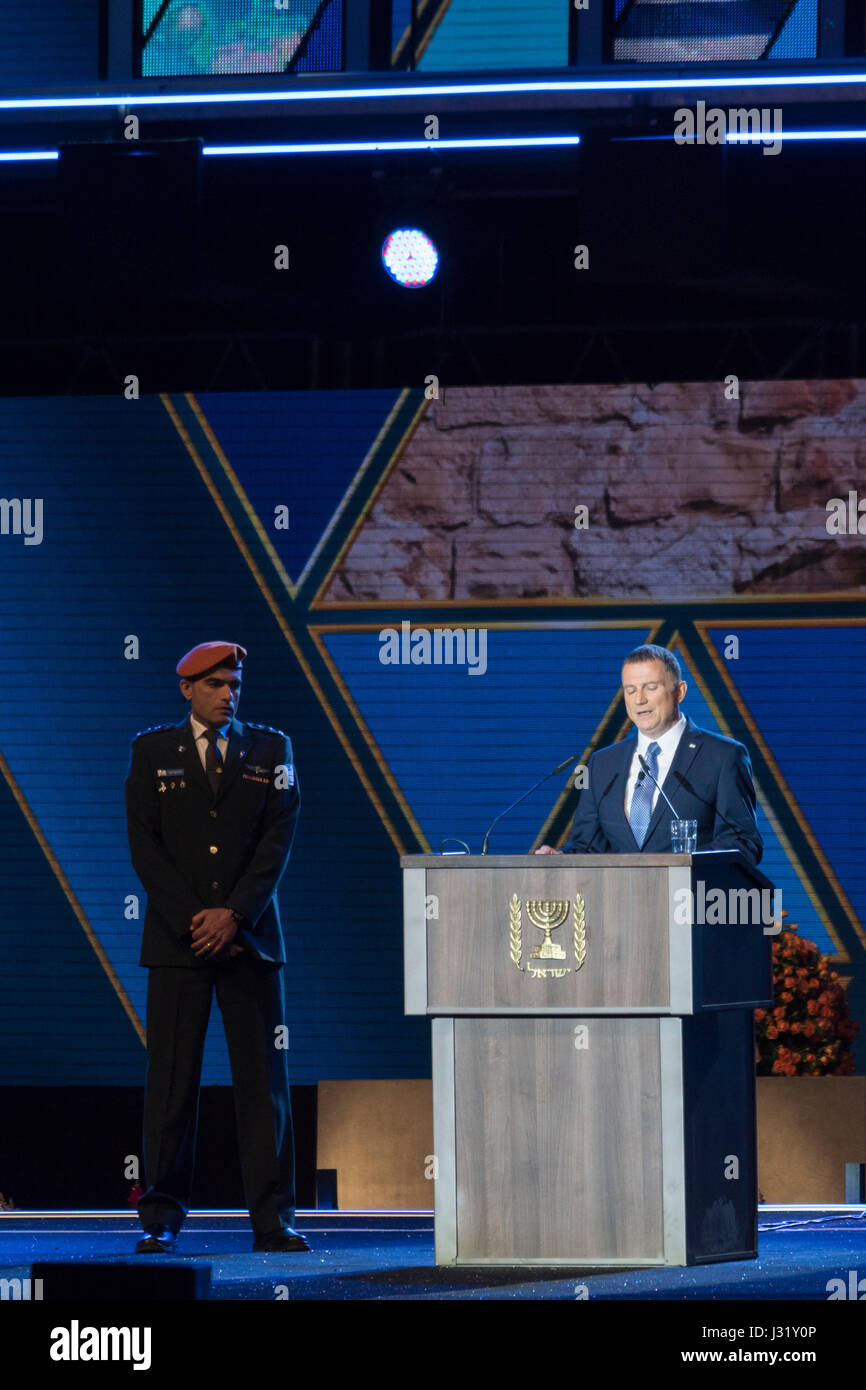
{"x":376,"y":1255}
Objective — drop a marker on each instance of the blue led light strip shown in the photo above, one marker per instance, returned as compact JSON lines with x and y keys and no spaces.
{"x":633,"y":84}
{"x":369,"y":146}
{"x":350,"y":147}
{"x":12,"y":156}
{"x":361,"y":146}
{"x":747,"y":138}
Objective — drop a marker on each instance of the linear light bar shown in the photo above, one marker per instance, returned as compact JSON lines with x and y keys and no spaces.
{"x":750,"y":137}
{"x":364,"y":146}
{"x":511,"y":142}
{"x":348,"y":146}
{"x":14,"y":155}
{"x":747,"y":138}
{"x":195,"y":1213}
{"x":439,"y":89}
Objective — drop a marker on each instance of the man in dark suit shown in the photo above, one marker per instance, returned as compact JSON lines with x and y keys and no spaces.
{"x":212,"y":806}
{"x":707,"y":778}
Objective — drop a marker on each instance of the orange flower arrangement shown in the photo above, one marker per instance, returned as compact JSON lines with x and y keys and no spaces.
{"x":808,"y":1030}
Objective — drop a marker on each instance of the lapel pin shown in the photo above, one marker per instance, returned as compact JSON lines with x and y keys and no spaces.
{"x":181,"y":748}
{"x":693,"y":745}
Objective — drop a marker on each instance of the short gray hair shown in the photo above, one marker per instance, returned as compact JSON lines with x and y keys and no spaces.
{"x":651,"y":652}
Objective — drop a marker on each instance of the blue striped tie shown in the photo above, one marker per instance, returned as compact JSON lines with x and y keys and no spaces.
{"x":642,"y":798}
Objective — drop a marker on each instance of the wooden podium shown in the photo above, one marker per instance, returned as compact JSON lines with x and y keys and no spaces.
{"x":593,"y":1053}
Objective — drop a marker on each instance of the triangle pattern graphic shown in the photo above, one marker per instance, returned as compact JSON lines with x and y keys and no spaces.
{"x":802,"y":690}
{"x":86,"y":828}
{"x":775,"y":862}
{"x":461,"y":747}
{"x":300,"y":450}
{"x":46,"y":1016}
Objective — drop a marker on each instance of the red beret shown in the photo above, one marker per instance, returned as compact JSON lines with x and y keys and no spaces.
{"x":209,"y":656}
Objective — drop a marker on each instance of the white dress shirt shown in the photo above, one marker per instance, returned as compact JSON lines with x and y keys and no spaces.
{"x":667,"y":743}
{"x":199,"y":733}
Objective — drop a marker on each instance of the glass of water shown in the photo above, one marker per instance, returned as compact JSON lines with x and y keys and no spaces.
{"x":684,"y":836}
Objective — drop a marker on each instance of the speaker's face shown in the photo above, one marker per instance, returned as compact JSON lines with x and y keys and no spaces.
{"x":651,"y":697}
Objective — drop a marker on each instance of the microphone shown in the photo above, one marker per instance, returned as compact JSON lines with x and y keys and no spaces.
{"x":562,"y":766}
{"x":687,"y":786}
{"x":645,"y":765}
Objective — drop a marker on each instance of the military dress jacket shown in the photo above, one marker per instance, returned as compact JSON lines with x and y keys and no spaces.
{"x":194,"y":849}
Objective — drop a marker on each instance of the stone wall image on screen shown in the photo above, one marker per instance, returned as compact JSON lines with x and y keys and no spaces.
{"x":688,"y":494}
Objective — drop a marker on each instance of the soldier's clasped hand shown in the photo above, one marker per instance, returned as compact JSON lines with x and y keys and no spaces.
{"x":213,"y":930}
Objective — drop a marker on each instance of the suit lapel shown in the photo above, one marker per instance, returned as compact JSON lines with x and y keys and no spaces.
{"x":618,"y":791}
{"x":687,"y":749}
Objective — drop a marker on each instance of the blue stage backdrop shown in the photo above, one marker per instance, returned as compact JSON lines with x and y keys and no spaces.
{"x":535,"y":534}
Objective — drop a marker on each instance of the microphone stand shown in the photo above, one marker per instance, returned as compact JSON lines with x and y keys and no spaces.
{"x":562,"y":766}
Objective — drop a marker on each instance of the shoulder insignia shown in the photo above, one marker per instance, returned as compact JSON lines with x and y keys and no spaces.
{"x":265,"y":729}
{"x":154,"y":729}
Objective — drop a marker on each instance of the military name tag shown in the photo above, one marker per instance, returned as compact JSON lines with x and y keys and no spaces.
{"x":169,"y":772}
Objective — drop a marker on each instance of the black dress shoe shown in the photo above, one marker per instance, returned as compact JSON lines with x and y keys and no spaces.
{"x":160,"y":1241}
{"x":283,"y":1239}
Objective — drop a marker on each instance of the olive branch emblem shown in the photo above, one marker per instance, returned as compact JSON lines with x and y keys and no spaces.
{"x":515,"y":925}
{"x":579,"y":931}
{"x":515,"y":932}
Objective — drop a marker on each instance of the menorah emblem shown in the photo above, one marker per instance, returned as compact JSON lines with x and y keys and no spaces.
{"x":547,"y":916}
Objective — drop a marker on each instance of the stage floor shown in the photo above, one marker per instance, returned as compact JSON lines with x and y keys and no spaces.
{"x":389,"y":1255}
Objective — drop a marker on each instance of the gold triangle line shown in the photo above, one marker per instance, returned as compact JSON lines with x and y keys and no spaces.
{"x":430,"y":33}
{"x":320,"y":631}
{"x":793,"y":857}
{"x":279,"y":617}
{"x":255,"y":520}
{"x":57,"y":870}
{"x":237,"y":485}
{"x":601,"y":601}
{"x":396,"y":454}
{"x":352,"y":488}
{"x":557,"y":805}
{"x":317,"y":634}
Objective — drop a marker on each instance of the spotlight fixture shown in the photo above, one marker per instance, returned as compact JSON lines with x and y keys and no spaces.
{"x":410,"y":257}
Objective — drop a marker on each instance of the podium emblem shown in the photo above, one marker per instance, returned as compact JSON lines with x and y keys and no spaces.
{"x":547,"y":915}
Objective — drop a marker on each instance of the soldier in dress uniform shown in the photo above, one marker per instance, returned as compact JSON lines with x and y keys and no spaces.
{"x":212,"y":806}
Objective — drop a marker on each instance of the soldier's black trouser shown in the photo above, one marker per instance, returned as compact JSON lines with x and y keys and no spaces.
{"x":250,"y":995}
